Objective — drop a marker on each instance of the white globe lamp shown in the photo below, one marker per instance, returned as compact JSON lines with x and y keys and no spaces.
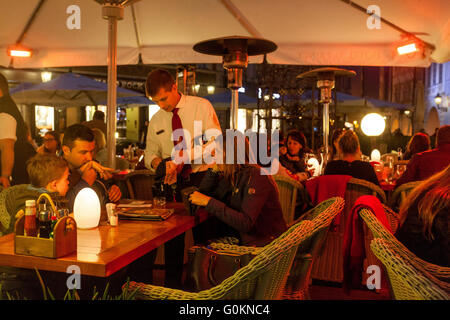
{"x":86,"y":209}
{"x":375,"y":155}
{"x":373,"y":124}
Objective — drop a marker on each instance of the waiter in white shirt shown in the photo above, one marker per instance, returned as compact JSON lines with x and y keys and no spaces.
{"x":162,"y":89}
{"x":177,"y":110}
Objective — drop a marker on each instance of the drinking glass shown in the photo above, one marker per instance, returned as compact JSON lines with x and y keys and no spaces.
{"x":159,"y":202}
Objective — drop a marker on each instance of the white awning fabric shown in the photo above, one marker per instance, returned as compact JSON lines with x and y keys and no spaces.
{"x":307,"y":32}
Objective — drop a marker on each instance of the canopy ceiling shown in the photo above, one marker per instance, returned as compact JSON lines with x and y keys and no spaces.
{"x":307,"y":32}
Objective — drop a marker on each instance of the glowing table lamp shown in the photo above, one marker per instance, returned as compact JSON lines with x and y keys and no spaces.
{"x":86,"y":209}
{"x":375,"y":155}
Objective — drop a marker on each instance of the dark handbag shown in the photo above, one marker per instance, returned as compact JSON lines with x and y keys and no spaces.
{"x":208,"y":268}
{"x":185,"y":193}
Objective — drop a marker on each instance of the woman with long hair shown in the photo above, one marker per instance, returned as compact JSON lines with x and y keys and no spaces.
{"x":293,"y":160}
{"x":418,"y":143}
{"x":239,"y":194}
{"x":424,"y":219}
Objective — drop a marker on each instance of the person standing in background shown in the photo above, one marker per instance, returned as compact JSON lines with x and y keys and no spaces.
{"x":15,"y":147}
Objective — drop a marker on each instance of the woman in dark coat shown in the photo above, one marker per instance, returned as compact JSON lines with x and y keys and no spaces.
{"x":350,"y":163}
{"x":425,"y":219}
{"x":242,"y":196}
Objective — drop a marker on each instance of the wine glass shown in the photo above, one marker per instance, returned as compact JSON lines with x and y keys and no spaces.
{"x":400,"y":170}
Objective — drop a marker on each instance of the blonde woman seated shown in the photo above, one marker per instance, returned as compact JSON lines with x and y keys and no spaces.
{"x":240,"y":196}
{"x":424,"y":219}
{"x":350,"y":163}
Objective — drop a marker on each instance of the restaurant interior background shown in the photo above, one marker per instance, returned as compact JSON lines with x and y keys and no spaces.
{"x":404,"y":96}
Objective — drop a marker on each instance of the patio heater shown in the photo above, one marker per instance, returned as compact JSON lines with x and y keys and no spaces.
{"x":235,"y":51}
{"x":325,"y":82}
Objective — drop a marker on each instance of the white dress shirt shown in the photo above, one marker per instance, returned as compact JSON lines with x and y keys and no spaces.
{"x":159,"y":134}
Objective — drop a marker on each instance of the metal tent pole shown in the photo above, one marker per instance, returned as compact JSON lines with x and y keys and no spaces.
{"x":112,"y":13}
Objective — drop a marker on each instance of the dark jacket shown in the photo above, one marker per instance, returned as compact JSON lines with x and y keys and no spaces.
{"x":424,"y":164}
{"x":76,"y":184}
{"x":252,"y":207}
{"x":357,"y":169}
{"x":23,"y":150}
{"x":435,"y":251}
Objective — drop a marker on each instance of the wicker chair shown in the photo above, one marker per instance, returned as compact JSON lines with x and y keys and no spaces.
{"x":400,"y":194}
{"x":406,"y":280}
{"x":297,"y":286}
{"x":289,"y":191}
{"x":262,"y":279}
{"x":329,"y":263}
{"x":441,"y":274}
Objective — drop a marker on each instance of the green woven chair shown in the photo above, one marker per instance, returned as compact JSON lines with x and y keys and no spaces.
{"x":297,"y":286}
{"x":329,"y":263}
{"x":290,"y":191}
{"x":262,"y":279}
{"x":407,"y":282}
{"x":400,"y":194}
{"x":439,"y":273}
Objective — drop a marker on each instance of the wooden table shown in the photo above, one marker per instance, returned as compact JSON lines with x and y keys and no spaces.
{"x":104,"y":250}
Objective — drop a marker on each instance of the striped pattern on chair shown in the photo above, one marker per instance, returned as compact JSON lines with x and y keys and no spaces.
{"x":407,"y":282}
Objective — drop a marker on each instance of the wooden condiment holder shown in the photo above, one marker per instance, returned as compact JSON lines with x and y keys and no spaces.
{"x":64,"y":239}
{"x":63,"y":243}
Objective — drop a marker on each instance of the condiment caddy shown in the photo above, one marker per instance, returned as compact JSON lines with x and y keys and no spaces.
{"x":49,"y":233}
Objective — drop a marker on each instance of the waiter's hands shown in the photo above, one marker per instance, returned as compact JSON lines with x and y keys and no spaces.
{"x":171,"y":173}
{"x":199,"y":199}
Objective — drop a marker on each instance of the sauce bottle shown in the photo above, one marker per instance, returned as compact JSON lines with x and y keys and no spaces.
{"x":30,"y":229}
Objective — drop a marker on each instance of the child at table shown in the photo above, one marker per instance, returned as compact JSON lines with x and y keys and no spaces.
{"x":48,"y":174}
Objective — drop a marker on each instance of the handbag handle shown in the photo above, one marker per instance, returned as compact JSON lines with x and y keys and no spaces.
{"x":212,"y":266}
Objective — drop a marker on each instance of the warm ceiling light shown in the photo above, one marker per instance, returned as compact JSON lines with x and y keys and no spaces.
{"x":407,"y":48}
{"x":19,"y":51}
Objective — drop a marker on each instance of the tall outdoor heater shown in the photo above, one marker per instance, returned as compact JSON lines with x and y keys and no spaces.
{"x":325,"y":82}
{"x":235,"y":51}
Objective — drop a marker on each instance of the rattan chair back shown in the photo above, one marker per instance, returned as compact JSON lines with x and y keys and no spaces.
{"x":440,"y":273}
{"x":329,"y":263}
{"x":289,"y":191}
{"x":406,"y":281}
{"x":400,"y":194}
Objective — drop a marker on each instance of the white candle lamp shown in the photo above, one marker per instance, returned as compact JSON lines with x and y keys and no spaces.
{"x":86,"y":209}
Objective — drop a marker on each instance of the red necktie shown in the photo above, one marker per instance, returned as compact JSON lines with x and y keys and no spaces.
{"x":185,"y":170}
